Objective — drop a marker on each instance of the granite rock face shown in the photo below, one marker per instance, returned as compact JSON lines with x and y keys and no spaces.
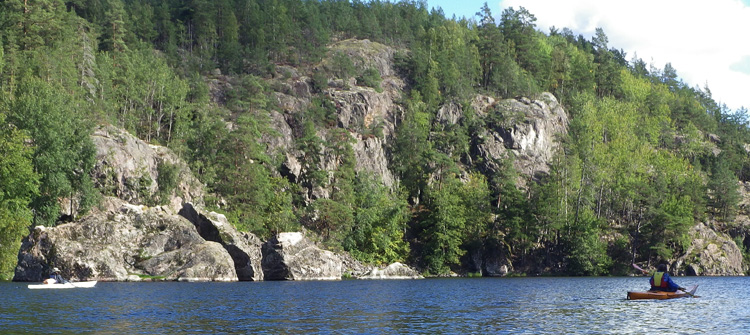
{"x":393,"y":271}
{"x":292,"y":256}
{"x":128,"y":243}
{"x":128,"y":168}
{"x":244,"y":248}
{"x":711,"y":254}
{"x":368,"y":115}
{"x":527,"y":129}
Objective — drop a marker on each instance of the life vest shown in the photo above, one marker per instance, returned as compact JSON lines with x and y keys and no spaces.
{"x":659,"y":280}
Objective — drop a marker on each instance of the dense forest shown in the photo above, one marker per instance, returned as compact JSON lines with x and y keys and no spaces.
{"x":636,"y":172}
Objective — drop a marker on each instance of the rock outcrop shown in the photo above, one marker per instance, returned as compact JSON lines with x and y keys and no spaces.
{"x":244,"y":248}
{"x":740,"y":228}
{"x":128,"y":168}
{"x":128,"y":243}
{"x":490,"y":261}
{"x":392,"y":271}
{"x":711,"y":254}
{"x":368,"y":115}
{"x":292,"y":256}
{"x":527,"y":129}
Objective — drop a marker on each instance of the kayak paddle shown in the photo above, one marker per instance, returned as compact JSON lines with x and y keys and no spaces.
{"x":646,"y":272}
{"x":640,"y":269}
{"x":689,"y":293}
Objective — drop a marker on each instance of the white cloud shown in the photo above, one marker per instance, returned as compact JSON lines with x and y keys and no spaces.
{"x":704,"y":40}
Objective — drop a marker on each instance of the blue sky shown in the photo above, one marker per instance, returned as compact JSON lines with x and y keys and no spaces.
{"x":706,"y":41}
{"x":465,"y":8}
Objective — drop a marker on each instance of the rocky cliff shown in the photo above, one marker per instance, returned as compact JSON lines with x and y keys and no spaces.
{"x":129,"y":169}
{"x":711,"y":253}
{"x":527,"y":129}
{"x":127,"y":240}
{"x":124,"y":242}
{"x":290,"y":256}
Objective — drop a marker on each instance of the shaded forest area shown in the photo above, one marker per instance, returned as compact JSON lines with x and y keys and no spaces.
{"x":637,"y":169}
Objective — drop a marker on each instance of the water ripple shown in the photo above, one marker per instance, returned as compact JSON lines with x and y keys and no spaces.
{"x":432,"y":306}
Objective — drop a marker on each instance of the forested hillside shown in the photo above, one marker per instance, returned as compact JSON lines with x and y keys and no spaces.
{"x":646,"y":156}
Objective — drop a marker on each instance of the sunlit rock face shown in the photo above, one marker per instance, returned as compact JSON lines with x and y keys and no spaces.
{"x":530,"y":130}
{"x":125,"y":242}
{"x":392,"y":271}
{"x":128,"y":168}
{"x":292,"y":256}
{"x":711,"y":253}
{"x":243,"y":247}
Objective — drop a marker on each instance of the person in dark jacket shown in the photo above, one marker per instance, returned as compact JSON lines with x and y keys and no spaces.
{"x":661,"y":281}
{"x":55,"y":277}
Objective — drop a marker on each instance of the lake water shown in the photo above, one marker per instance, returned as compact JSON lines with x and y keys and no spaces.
{"x":429,"y":306}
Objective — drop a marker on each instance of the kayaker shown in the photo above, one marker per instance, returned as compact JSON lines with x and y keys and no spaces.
{"x":55,"y":277}
{"x":661,"y":281}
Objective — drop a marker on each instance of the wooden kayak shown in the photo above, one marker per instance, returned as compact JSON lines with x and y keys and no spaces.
{"x":660,"y":295}
{"x":82,"y":284}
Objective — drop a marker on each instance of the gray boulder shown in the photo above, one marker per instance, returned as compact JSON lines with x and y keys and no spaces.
{"x":204,"y":262}
{"x":393,"y":271}
{"x":711,"y":253}
{"x":128,"y":243}
{"x":243,"y":247}
{"x":291,"y":256}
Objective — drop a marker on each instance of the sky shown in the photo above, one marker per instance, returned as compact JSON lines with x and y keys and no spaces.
{"x":707,"y":42}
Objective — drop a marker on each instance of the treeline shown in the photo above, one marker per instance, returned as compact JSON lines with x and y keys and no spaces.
{"x":636,"y":171}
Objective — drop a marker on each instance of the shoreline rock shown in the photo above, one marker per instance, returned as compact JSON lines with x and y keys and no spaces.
{"x":115,"y":246}
{"x":292,"y":256}
{"x":393,"y":271}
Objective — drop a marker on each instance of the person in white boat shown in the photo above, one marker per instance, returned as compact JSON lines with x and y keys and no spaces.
{"x":55,"y":277}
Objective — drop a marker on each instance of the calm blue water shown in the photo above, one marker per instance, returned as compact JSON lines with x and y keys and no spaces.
{"x":430,"y":306}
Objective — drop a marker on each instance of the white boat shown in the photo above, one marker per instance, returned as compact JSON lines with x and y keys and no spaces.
{"x":82,"y":284}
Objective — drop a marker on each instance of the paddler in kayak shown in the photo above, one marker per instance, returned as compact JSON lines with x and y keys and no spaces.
{"x":55,"y":277}
{"x":661,"y":281}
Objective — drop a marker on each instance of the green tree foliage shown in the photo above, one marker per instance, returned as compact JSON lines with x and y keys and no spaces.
{"x":64,"y":153}
{"x":242,"y":175}
{"x":608,"y":72}
{"x":312,"y":146}
{"x":380,"y":218}
{"x":371,"y":78}
{"x":340,"y":145}
{"x":144,"y":94}
{"x":586,"y":252}
{"x":114,"y":34}
{"x":228,"y":49}
{"x":167,"y":180}
{"x":19,"y":184}
{"x":412,"y":148}
{"x":442,"y":228}
{"x":489,"y":46}
{"x":636,"y":170}
{"x":333,"y":220}
{"x":723,"y":189}
{"x":33,"y":24}
{"x":141,"y":20}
